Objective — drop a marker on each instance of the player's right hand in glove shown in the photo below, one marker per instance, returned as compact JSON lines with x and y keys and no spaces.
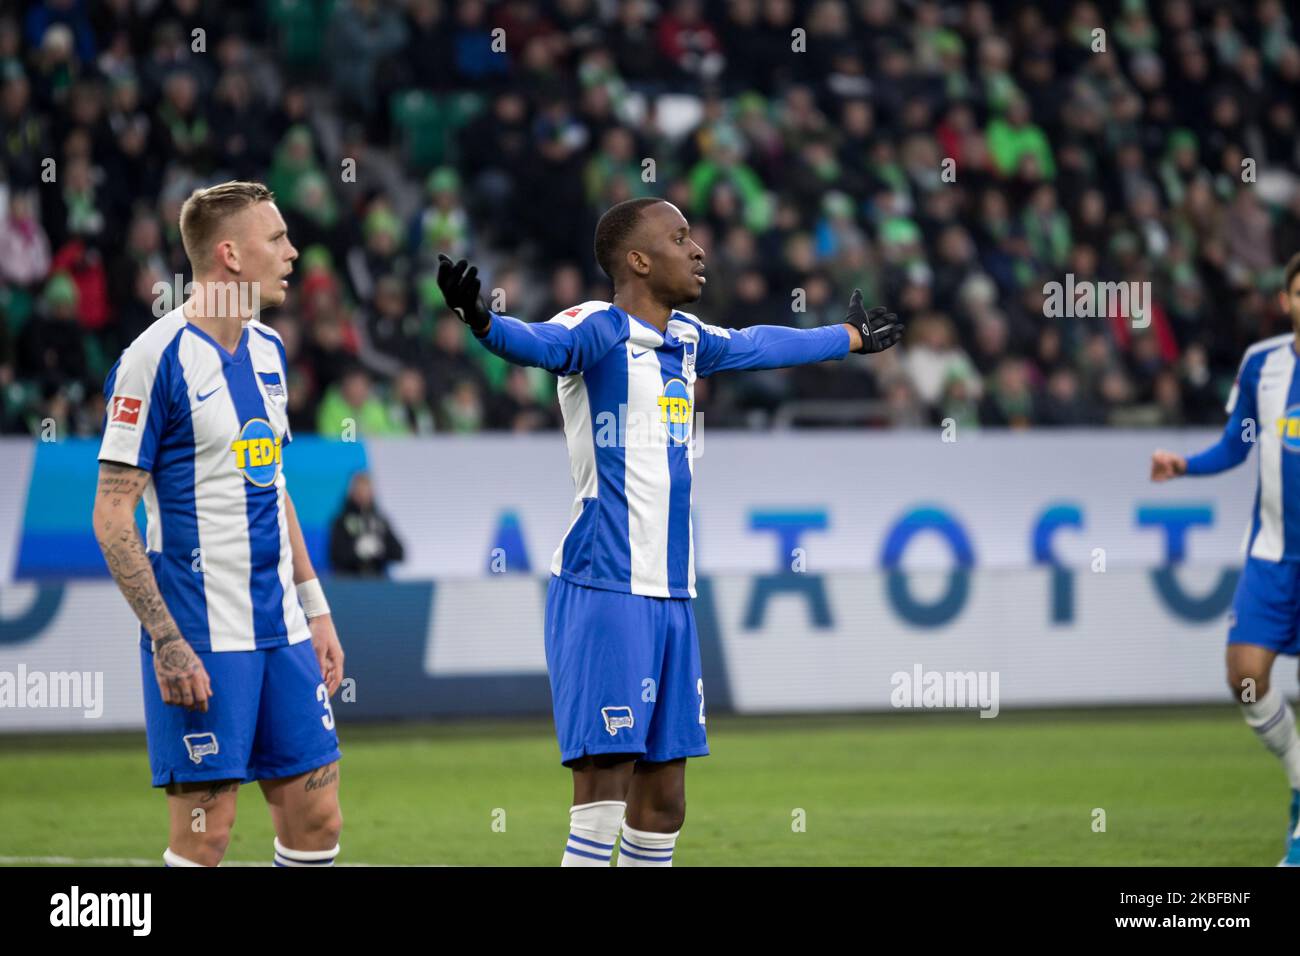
{"x":878,"y":328}
{"x":460,"y":286}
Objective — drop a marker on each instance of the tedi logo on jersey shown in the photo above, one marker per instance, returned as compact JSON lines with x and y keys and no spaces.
{"x":257,"y":452}
{"x":675,"y":410}
{"x":1288,"y":428}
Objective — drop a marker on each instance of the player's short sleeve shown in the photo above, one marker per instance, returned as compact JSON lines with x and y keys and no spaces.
{"x":137,"y":408}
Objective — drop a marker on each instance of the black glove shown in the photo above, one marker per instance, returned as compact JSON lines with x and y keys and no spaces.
{"x":460,"y":288}
{"x":879,"y":328}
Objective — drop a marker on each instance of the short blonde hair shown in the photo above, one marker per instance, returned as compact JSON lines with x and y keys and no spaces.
{"x":206,"y":209}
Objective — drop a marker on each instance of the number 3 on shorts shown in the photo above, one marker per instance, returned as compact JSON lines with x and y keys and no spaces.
{"x":327,"y":718}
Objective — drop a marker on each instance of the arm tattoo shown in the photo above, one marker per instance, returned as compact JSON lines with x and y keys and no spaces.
{"x":120,"y":488}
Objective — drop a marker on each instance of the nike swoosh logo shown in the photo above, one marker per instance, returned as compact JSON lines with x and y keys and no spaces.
{"x":639,"y":354}
{"x":203,"y":398}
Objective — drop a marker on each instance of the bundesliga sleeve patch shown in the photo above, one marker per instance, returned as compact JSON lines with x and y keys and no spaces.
{"x":125,"y":411}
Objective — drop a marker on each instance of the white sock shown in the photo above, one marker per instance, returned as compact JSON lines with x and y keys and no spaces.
{"x":1273,"y":721}
{"x":175,"y":859}
{"x":642,"y":848}
{"x":593,"y":831}
{"x":286,"y":857}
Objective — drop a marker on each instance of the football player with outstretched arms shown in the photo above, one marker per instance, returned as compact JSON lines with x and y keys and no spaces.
{"x":621,"y":650}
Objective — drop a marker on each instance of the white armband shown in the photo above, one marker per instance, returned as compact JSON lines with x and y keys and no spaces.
{"x":312,"y":599}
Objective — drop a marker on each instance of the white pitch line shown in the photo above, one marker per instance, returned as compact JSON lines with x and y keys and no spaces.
{"x":133,"y":861}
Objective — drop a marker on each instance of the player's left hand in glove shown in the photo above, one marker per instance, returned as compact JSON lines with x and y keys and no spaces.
{"x":879,"y":328}
{"x":460,"y":286}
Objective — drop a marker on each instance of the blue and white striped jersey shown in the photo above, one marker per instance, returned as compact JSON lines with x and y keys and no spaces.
{"x":209,"y":426}
{"x":1264,"y":408}
{"x":627,"y":392}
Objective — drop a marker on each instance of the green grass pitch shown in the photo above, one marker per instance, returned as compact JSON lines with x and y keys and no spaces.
{"x":1179,"y":786}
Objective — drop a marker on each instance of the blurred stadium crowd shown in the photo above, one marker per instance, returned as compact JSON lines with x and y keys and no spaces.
{"x":392,"y":131}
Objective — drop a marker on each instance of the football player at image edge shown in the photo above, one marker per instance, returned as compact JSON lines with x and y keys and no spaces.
{"x":1264,"y":409}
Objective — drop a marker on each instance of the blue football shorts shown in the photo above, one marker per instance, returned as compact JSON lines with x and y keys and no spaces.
{"x":625,"y":674}
{"x":269,"y":716}
{"x":1266,"y":606}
